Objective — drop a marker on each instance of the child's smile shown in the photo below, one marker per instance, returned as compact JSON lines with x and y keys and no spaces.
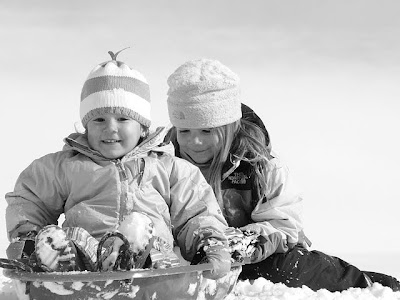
{"x":111,"y":141}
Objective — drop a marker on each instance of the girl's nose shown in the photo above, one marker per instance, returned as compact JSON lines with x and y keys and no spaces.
{"x":196,"y":140}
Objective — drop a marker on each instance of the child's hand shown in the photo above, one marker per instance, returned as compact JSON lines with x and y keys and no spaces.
{"x":109,"y":262}
{"x":251,"y":228}
{"x":138,"y":229}
{"x":53,"y":250}
{"x":220,"y":258}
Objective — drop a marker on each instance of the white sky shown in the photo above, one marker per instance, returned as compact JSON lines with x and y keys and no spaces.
{"x":323,"y":75}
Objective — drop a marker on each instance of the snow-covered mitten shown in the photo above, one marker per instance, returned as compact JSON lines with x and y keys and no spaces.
{"x":86,"y":247}
{"x":54,"y":252}
{"x":116,"y":255}
{"x":162,"y":255}
{"x":265,"y":245}
{"x":131,"y":242}
{"x":216,"y":253}
{"x":241,"y":244}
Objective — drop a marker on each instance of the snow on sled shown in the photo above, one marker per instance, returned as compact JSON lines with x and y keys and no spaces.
{"x":185,"y":282}
{"x":133,"y":277}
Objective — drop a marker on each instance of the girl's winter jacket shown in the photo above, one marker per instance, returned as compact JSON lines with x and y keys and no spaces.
{"x":96,"y":193}
{"x":277,"y":217}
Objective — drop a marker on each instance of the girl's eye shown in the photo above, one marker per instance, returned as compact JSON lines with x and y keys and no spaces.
{"x":123,"y":119}
{"x":183,"y":130}
{"x":206,"y":131}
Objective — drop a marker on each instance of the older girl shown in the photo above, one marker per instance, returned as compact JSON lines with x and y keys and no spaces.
{"x":231,"y":146}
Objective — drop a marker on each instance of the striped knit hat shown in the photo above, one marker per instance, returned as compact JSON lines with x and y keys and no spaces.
{"x":113,"y":87}
{"x":203,"y":93}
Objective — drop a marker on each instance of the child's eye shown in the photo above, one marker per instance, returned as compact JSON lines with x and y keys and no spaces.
{"x":123,"y":119}
{"x":183,"y":130}
{"x":98,"y":120}
{"x":206,"y":131}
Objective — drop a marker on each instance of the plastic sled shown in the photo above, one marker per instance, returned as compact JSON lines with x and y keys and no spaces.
{"x":175,"y":283}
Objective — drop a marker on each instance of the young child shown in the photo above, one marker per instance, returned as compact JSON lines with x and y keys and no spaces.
{"x":114,"y":178}
{"x":230,"y":145}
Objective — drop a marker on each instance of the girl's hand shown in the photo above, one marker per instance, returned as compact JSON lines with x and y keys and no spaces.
{"x":216,"y":253}
{"x":220,"y":258}
{"x":251,"y":228}
{"x":265,"y":245}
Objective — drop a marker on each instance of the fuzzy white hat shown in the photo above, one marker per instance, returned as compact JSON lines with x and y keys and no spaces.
{"x":203,"y":93}
{"x":113,"y":87}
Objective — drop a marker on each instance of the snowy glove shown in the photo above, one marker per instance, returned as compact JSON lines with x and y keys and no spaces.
{"x":109,"y":262}
{"x":265,"y":246}
{"x":218,"y":255}
{"x":138,"y":229}
{"x":252,"y":228}
{"x":54,"y":251}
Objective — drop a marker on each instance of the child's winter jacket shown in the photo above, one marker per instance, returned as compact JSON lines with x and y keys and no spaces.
{"x":96,"y":193}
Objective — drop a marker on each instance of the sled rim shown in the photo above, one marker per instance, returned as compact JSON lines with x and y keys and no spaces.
{"x":87,"y":276}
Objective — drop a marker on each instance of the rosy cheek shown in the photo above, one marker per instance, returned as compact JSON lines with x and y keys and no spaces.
{"x":181,"y":142}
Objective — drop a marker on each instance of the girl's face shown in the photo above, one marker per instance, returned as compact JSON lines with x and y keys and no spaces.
{"x":201,"y":145}
{"x":113,"y":135}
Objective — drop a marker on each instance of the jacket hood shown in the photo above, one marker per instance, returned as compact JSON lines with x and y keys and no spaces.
{"x":153,"y":143}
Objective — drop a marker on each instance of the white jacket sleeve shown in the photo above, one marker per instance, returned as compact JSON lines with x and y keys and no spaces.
{"x":280,"y":211}
{"x":36,"y":200}
{"x":195,"y":213}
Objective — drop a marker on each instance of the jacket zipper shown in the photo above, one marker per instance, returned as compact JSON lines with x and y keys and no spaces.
{"x":235,"y":164}
{"x":121,"y":170}
{"x":124,"y":197}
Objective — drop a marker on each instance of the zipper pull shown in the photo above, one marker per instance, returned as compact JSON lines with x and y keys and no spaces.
{"x":121,"y":170}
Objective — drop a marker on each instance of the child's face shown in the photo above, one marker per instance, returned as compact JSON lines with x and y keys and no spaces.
{"x":199,"y":144}
{"x":113,"y":135}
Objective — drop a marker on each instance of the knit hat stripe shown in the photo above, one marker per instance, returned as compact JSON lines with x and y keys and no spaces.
{"x":128,"y":104}
{"x":113,"y":87}
{"x":104,"y":83}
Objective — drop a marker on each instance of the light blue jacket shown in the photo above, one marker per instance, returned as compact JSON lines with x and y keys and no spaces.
{"x":96,"y":193}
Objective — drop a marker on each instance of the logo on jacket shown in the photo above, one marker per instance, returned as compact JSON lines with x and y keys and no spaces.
{"x":238,"y":178}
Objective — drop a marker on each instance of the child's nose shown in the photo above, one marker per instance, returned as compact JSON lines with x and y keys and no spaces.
{"x":196,"y":140}
{"x":112,"y":126}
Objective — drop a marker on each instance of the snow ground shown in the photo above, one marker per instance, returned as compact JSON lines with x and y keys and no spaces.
{"x":264,"y":289}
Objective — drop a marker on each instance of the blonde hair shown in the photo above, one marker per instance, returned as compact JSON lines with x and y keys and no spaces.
{"x":242,"y":140}
{"x":251,"y":145}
